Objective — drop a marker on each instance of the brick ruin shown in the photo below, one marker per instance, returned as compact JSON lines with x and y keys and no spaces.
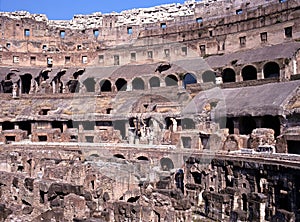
{"x":180,"y":112}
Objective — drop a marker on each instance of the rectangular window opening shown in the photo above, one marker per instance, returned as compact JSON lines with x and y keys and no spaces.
{"x":101,"y":59}
{"x":32,"y":59}
{"x":264,"y":37}
{"x":15,"y":59}
{"x":96,"y":33}
{"x":239,"y":11}
{"x":62,"y":34}
{"x":133,"y":56}
{"x":116,"y":60}
{"x":243,"y":41}
{"x":167,"y":52}
{"x":150,"y":54}
{"x":129,"y":30}
{"x":84,"y":59}
{"x":288,"y":31}
{"x":199,"y":20}
{"x":163,"y":25}
{"x":27,"y":32}
{"x":67,"y":59}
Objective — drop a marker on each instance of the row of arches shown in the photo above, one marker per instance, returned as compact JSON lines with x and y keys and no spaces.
{"x":166,"y":163}
{"x":248,"y":72}
{"x":137,"y":83}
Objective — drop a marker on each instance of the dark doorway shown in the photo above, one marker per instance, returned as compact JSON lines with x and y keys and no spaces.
{"x":166,"y":164}
{"x":247,"y":125}
{"x":249,"y":73}
{"x":138,"y":84}
{"x":209,"y":76}
{"x":154,"y":82}
{"x":272,"y":122}
{"x":171,"y":80}
{"x":189,"y":79}
{"x":89,"y":84}
{"x":228,"y":75}
{"x":26,"y":83}
{"x":121,"y":84}
{"x":105,"y":85}
{"x":271,"y":70}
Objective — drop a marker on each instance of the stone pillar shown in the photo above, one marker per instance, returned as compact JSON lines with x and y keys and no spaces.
{"x":65,"y":127}
{"x":16,"y":126}
{"x":295,"y":67}
{"x":236,"y":126}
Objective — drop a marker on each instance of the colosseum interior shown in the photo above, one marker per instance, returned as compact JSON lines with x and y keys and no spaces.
{"x":175,"y":113}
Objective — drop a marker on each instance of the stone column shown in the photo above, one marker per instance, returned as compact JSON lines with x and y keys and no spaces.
{"x":236,"y":126}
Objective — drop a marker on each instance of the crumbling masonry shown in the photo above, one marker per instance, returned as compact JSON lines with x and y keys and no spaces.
{"x":180,"y":112}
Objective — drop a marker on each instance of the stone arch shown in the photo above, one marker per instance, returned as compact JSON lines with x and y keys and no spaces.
{"x":143,"y":158}
{"x":138,"y":84}
{"x":166,"y":164}
{"x":249,"y":72}
{"x":171,"y":80}
{"x":228,"y":75}
{"x":271,"y":70}
{"x":154,"y":82}
{"x":121,"y":84}
{"x":105,"y":85}
{"x":209,"y":76}
{"x":189,"y":78}
{"x":26,"y":83}
{"x":89,"y":84}
{"x":119,"y":156}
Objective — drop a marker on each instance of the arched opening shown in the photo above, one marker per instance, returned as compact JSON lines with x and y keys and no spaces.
{"x":121,"y":84}
{"x":271,"y":70}
{"x":89,"y":84}
{"x":144,"y":158}
{"x":230,"y":125}
{"x":73,"y":85}
{"x":249,"y":72}
{"x":119,"y":156}
{"x":272,"y":122}
{"x":228,"y":75}
{"x":244,"y":200}
{"x":171,"y":80}
{"x":154,"y":82}
{"x":26,"y":83}
{"x":209,"y":76}
{"x":138,"y":84}
{"x":166,"y":164}
{"x":189,"y":79}
{"x":133,"y":199}
{"x":247,"y":125}
{"x":105,"y":85}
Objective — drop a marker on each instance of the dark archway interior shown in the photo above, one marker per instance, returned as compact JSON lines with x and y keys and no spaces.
{"x":247,"y":125}
{"x":249,"y":73}
{"x":171,"y":80}
{"x":209,"y":76}
{"x":272,"y":122}
{"x":89,"y":84}
{"x":189,"y":79}
{"x":8,"y":125}
{"x":154,"y":82}
{"x":228,"y":75}
{"x":105,"y":85}
{"x":138,"y":84}
{"x":73,"y":85}
{"x":230,"y":125}
{"x":166,"y":164}
{"x":271,"y":70}
{"x":119,"y":156}
{"x":121,"y":84}
{"x":143,"y":158}
{"x":26,"y":83}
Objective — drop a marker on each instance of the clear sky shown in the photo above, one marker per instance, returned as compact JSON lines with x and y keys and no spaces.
{"x":65,"y":9}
